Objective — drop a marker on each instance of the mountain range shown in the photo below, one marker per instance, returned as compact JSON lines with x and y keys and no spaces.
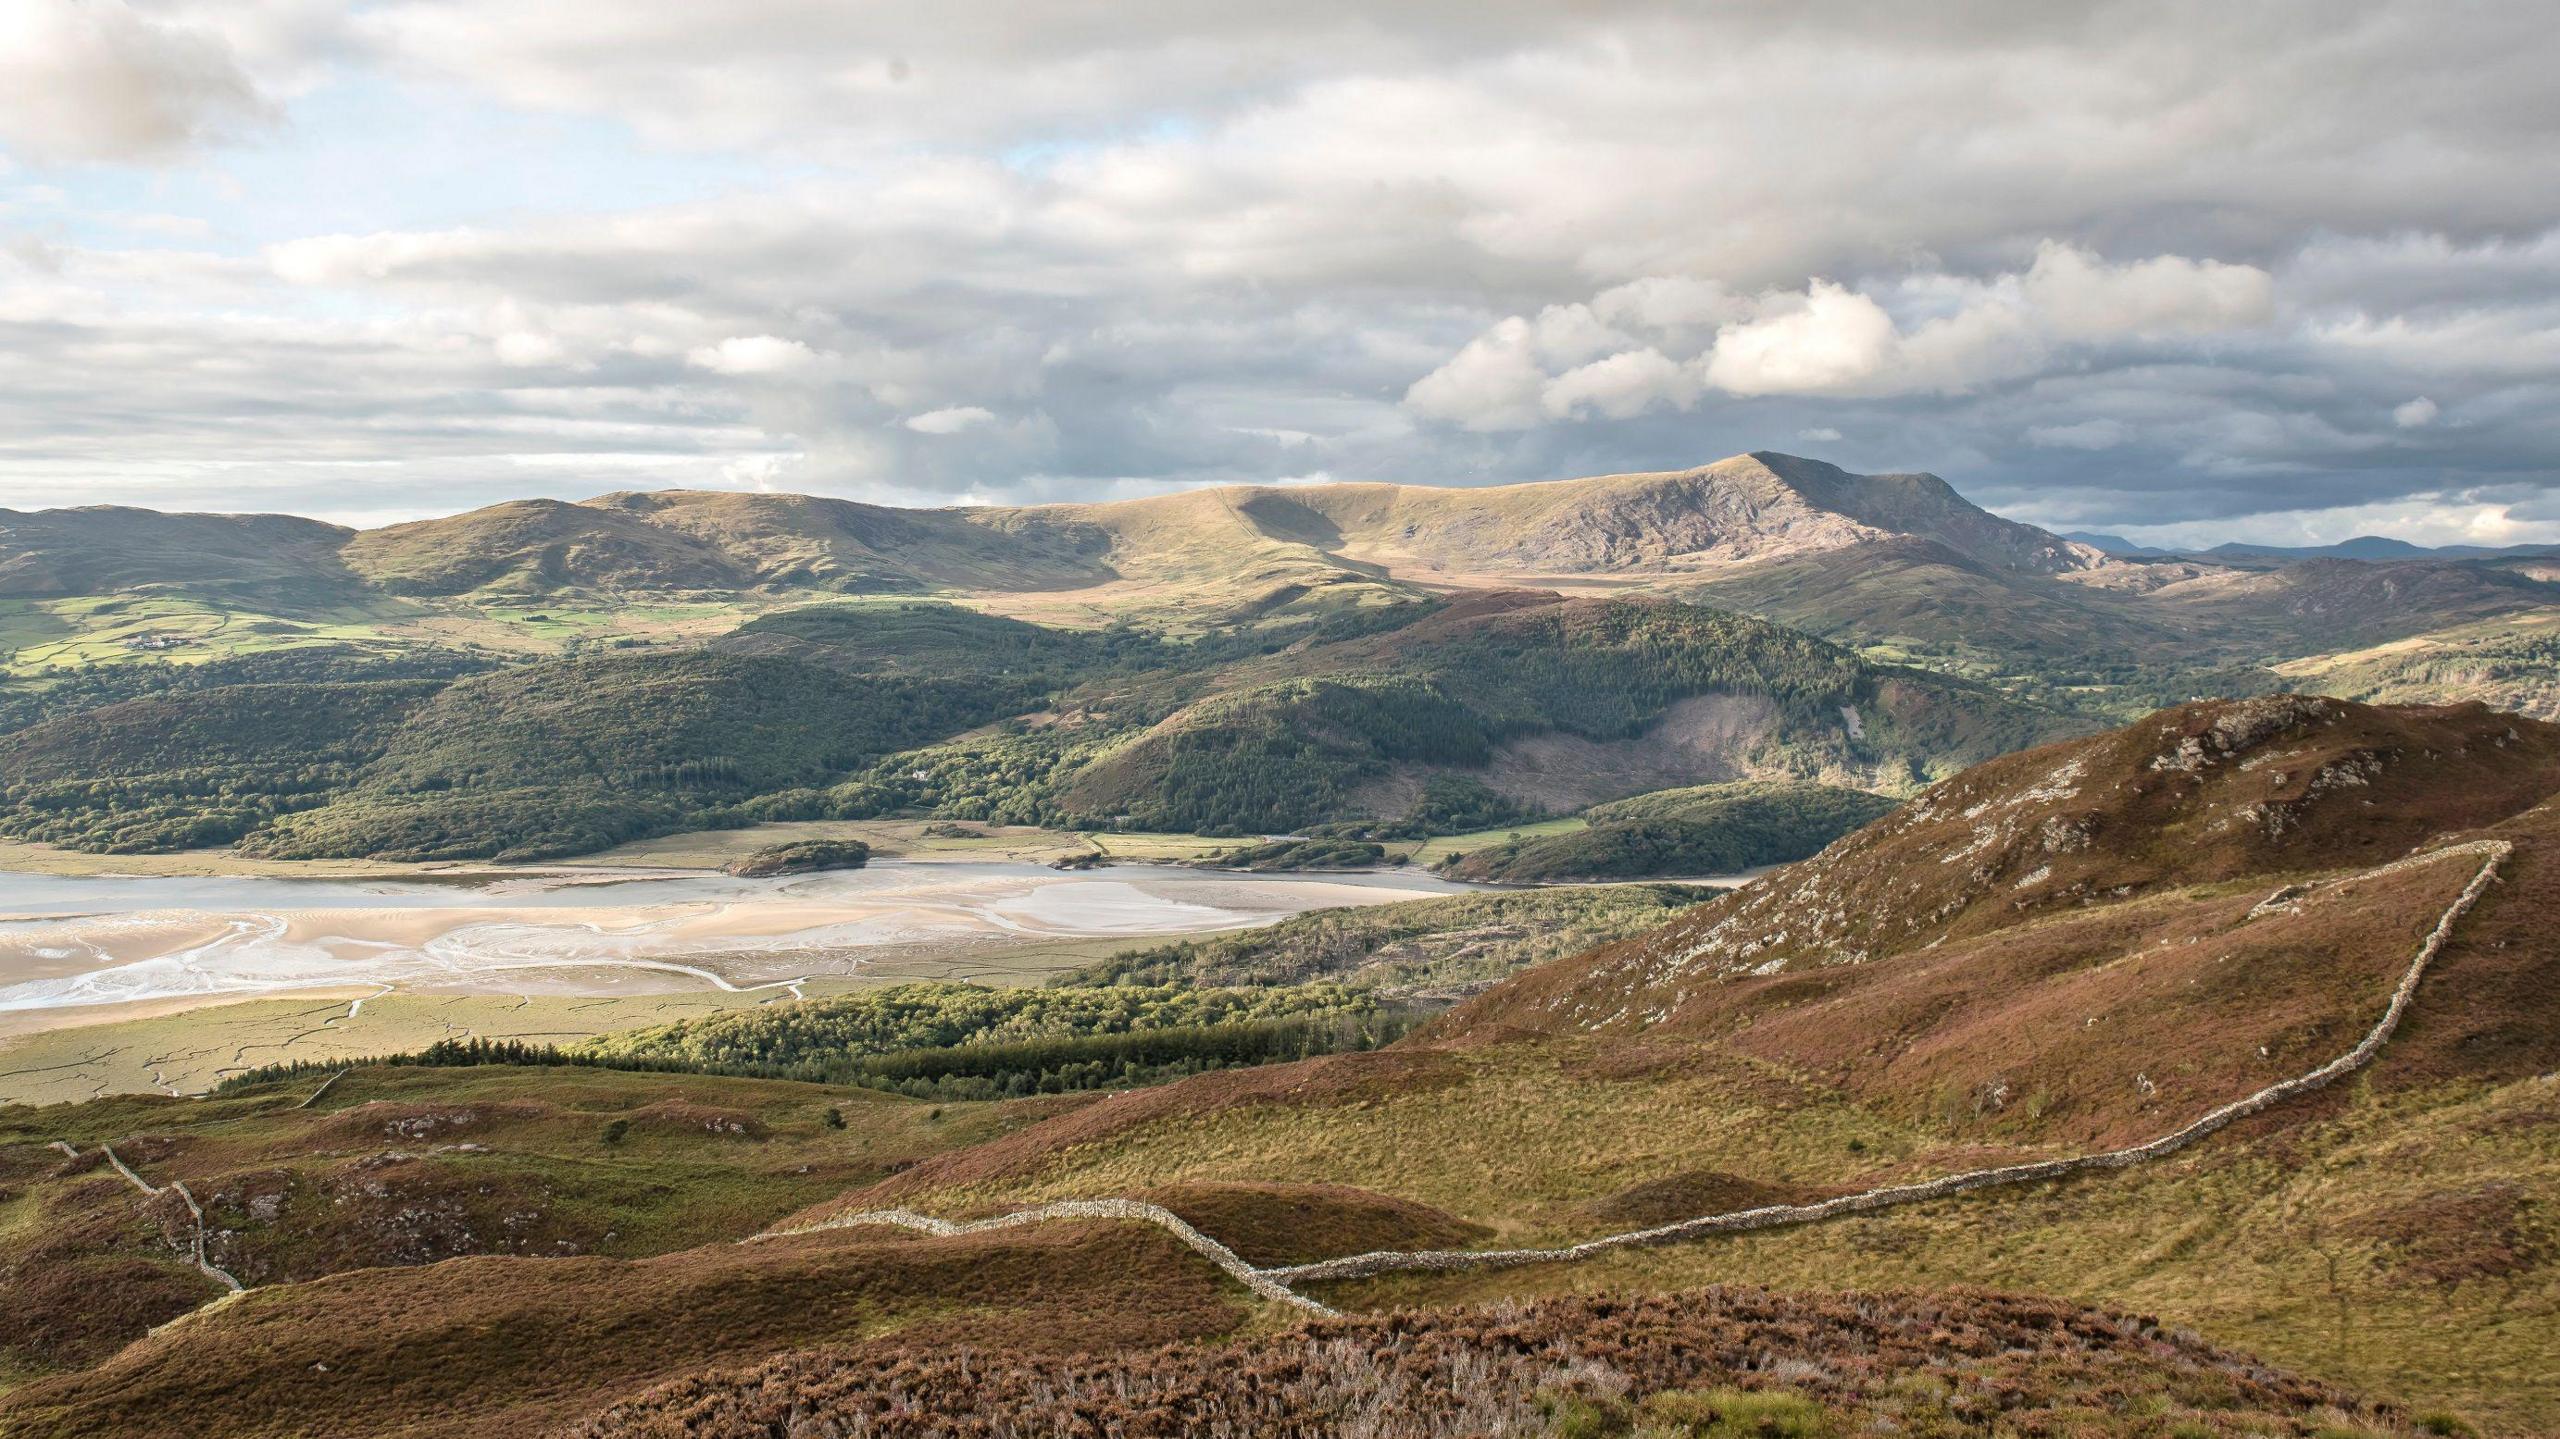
{"x":543,"y":678}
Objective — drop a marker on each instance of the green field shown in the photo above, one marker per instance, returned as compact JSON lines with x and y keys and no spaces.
{"x":1439,"y":847}
{"x":39,"y":636}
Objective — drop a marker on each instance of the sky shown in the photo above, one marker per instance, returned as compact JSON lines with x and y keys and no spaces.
{"x":2284,"y":272}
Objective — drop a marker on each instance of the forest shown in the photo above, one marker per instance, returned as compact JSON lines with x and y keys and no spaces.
{"x":855,"y":711}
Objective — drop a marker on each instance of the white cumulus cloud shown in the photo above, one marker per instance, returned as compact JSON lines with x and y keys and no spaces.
{"x":753,"y":355}
{"x":949,"y":421}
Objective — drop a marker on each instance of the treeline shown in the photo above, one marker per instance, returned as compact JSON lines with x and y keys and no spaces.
{"x":1098,"y":1061}
{"x":1321,"y":852}
{"x":1049,"y":1065}
{"x":920,"y":1016}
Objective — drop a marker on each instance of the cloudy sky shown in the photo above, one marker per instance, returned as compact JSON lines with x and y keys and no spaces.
{"x":2188,"y":271}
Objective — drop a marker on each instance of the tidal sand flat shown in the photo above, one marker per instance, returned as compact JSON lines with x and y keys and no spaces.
{"x":124,"y":982}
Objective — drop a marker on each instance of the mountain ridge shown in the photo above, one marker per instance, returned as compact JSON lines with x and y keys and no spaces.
{"x":1739,"y":510}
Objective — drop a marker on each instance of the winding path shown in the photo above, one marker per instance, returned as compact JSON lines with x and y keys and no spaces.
{"x":1275,"y":1282}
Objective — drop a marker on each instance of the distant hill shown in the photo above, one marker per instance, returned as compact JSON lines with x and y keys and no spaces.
{"x":2322,"y":605}
{"x":1746,"y":509}
{"x":2373,"y":547}
{"x":1932,"y":598}
{"x":2109,"y":544}
{"x":696,"y":540}
{"x":103,"y":549}
{"x":2362,"y":547}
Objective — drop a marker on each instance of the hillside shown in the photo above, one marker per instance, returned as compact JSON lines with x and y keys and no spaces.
{"x":578,"y":755}
{"x":1921,"y":598}
{"x":1427,"y":717}
{"x":2200,"y":795}
{"x":104,"y":549}
{"x":532,"y":547}
{"x":1552,"y":704}
{"x":2078,"y":947}
{"x":2323,"y":605}
{"x":196,"y":768}
{"x":2057,"y":953}
{"x":2506,"y":663}
{"x":1749,"y":508}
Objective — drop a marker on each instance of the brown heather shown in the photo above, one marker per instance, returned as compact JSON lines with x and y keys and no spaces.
{"x":1906,"y":1364}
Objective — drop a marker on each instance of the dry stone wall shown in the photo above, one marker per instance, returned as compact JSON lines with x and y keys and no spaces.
{"x":1275,"y":1282}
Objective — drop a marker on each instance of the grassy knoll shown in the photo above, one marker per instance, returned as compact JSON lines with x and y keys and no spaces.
{"x":1440,"y":847}
{"x":1532,"y":1142}
{"x":500,"y":1347}
{"x":1456,"y":942}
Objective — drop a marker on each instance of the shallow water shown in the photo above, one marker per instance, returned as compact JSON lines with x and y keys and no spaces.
{"x":90,"y":940}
